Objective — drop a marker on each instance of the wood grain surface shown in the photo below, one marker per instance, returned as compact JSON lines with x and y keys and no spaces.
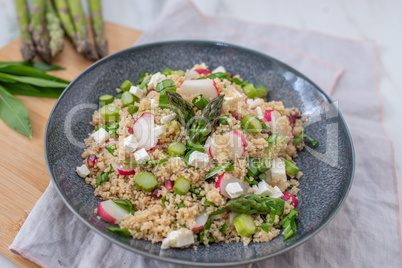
{"x":23,"y":172}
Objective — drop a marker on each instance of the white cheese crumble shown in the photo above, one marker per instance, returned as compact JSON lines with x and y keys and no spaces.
{"x":168,"y":118}
{"x":130,"y":144}
{"x":141,"y":156}
{"x":179,"y":238}
{"x":234,"y":189}
{"x":260,"y":115}
{"x":159,"y":131}
{"x":155,"y":79}
{"x":100,"y":136}
{"x":219,"y":69}
{"x":136,"y":91}
{"x":82,"y":171}
{"x":198,"y":159}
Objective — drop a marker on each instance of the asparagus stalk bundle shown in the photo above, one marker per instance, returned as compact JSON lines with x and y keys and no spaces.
{"x":256,"y":204}
{"x":65,"y":18}
{"x":38,"y":30}
{"x":27,"y":46}
{"x":182,"y":108}
{"x":82,"y":42}
{"x":56,"y":32}
{"x":97,"y":27}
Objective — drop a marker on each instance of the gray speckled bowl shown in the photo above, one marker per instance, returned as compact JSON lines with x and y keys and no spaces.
{"x":331,"y":173}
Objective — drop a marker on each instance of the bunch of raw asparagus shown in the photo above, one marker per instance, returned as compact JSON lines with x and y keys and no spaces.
{"x":42,"y":33}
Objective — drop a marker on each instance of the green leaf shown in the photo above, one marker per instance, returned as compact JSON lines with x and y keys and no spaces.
{"x":119,"y":231}
{"x":35,"y":81}
{"x":39,"y":65}
{"x":32,"y":91}
{"x":125,"y":204}
{"x":221,"y":76}
{"x":181,"y":205}
{"x":14,"y":113}
{"x":227,"y":166}
{"x":208,"y":224}
{"x":223,"y":228}
{"x":29,"y":71}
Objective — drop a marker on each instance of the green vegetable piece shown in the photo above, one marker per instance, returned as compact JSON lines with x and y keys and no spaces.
{"x":262,"y":91}
{"x":125,"y":204}
{"x":119,"y":231}
{"x":144,"y":83}
{"x":163,"y":199}
{"x":219,"y":75}
{"x":200,"y":102}
{"x":145,"y":181}
{"x":181,"y":205}
{"x":132,"y":109}
{"x":223,"y":228}
{"x":126,"y":85}
{"x":208,"y":204}
{"x":237,"y":81}
{"x":227,"y":166}
{"x":303,"y":135}
{"x":223,"y":119}
{"x":167,"y":72}
{"x":288,"y":224}
{"x":273,"y":138}
{"x":250,"y":182}
{"x":157,"y":162}
{"x":291,"y":168}
{"x":244,"y":225}
{"x":111,"y":147}
{"x":264,"y":164}
{"x":127,"y":98}
{"x":256,"y":204}
{"x":103,"y":177}
{"x":118,"y":95}
{"x":14,"y":113}
{"x":183,"y":109}
{"x":179,"y":73}
{"x":251,"y":124}
{"x":163,"y":87}
{"x":181,"y":186}
{"x":208,"y":224}
{"x":197,"y":191}
{"x":105,"y":99}
{"x":265,"y":227}
{"x":176,"y":149}
{"x":252,"y":169}
{"x":141,"y":78}
{"x":250,"y":91}
{"x":109,"y":113}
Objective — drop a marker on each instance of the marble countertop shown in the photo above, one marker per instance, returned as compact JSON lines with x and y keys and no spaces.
{"x":359,"y":20}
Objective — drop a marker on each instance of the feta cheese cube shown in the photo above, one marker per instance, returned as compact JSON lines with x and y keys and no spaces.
{"x":198,"y":159}
{"x":278,"y":171}
{"x":154,"y":104}
{"x":276,"y":193}
{"x":159,"y":131}
{"x":100,"y":136}
{"x":168,"y":118}
{"x":219,"y":69}
{"x":260,"y":115}
{"x":263,"y":188}
{"x":180,"y":238}
{"x":141,"y":156}
{"x":130,"y":144}
{"x":155,"y":79}
{"x":136,"y":91}
{"x":252,"y":103}
{"x":82,"y":171}
{"x":234,"y":189}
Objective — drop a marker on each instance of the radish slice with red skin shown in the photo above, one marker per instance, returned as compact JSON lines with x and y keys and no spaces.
{"x":211,"y":152}
{"x":238,"y":143}
{"x":286,"y":196}
{"x":143,"y":129}
{"x":192,"y":74}
{"x":110,"y":212}
{"x":200,"y":220}
{"x":267,"y":115}
{"x":203,"y":71}
{"x":124,"y":170}
{"x":221,"y":184}
{"x":206,"y":87}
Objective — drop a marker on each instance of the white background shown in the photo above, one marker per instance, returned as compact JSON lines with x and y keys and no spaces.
{"x":380,"y":20}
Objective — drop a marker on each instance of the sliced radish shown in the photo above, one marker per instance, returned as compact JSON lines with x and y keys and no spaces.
{"x":237,"y":144}
{"x":203,"y":71}
{"x":192,"y":74}
{"x":110,"y":212}
{"x":124,"y":170}
{"x":267,"y":115}
{"x":200,"y":220}
{"x":144,"y":130}
{"x":221,"y":184}
{"x":286,"y":196}
{"x":211,"y":152}
{"x":271,"y":117}
{"x":206,"y":87}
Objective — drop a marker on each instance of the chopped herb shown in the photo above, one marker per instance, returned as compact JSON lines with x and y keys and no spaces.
{"x":265,"y":227}
{"x":273,"y":138}
{"x":119,"y":231}
{"x":141,"y":78}
{"x":200,"y":102}
{"x":167,"y":72}
{"x":181,"y":205}
{"x":208,"y":224}
{"x":238,"y":81}
{"x":181,"y":225}
{"x":197,"y":191}
{"x":227,"y":166}
{"x":125,"y":204}
{"x":223,"y":119}
{"x":303,"y":135}
{"x":219,"y":75}
{"x":223,"y":228}
{"x":163,"y":199}
{"x":163,"y":87}
{"x":150,"y":162}
{"x":250,"y":182}
{"x":289,"y":188}
{"x":111,"y":147}
{"x":104,"y":176}
{"x":208,"y":204}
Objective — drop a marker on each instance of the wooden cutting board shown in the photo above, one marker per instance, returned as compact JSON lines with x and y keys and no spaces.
{"x":23,"y":172}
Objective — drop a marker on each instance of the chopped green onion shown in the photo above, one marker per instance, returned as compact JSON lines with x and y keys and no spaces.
{"x":111,"y":147}
{"x":109,"y":113}
{"x":197,"y":191}
{"x":145,"y":181}
{"x":181,"y":205}
{"x":127,"y":98}
{"x":250,"y":182}
{"x":193,"y":149}
{"x":150,"y":162}
{"x":200,"y":102}
{"x":104,"y":176}
{"x":223,"y":119}
{"x":141,"y":78}
{"x":264,"y":126}
{"x":181,"y":186}
{"x":262,"y":176}
{"x":313,"y":142}
{"x":289,"y":188}
{"x":162,"y":87}
{"x":219,"y":75}
{"x":101,"y":126}
{"x":262,"y":91}
{"x":223,"y":228}
{"x":208,"y":204}
{"x":126,"y":85}
{"x":291,"y":168}
{"x":273,"y":138}
{"x":176,"y":148}
{"x":125,"y":204}
{"x":132,"y":109}
{"x":144,"y":83}
{"x":119,"y":231}
{"x":250,"y":91}
{"x":227,"y":166}
{"x":288,"y":224}
{"x":251,"y":124}
{"x":105,"y":99}
{"x":301,"y":136}
{"x":179,"y":73}
{"x":265,"y":227}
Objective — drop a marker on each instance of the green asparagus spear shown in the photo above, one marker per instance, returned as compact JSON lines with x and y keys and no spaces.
{"x":27,"y":46}
{"x":256,"y":204}
{"x":97,"y":27}
{"x":56,"y":32}
{"x":202,"y":125}
{"x":65,"y":18}
{"x":182,"y":108}
{"x":38,"y":31}
{"x":83,"y":44}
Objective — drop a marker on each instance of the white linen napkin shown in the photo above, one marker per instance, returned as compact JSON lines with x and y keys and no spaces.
{"x":365,"y":232}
